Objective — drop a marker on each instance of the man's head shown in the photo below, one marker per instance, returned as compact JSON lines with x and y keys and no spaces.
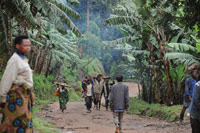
{"x":119,"y":78}
{"x":23,"y":44}
{"x":88,"y":82}
{"x":195,"y":74}
{"x":99,"y":77}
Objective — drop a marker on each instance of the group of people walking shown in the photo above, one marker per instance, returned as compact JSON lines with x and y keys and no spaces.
{"x":116,"y":95}
{"x":93,"y":89}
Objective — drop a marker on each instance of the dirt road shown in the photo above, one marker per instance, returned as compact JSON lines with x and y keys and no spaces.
{"x":76,"y":120}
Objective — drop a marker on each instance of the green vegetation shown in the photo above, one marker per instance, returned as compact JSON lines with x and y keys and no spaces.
{"x":70,"y":75}
{"x":44,"y":94}
{"x":91,"y":66}
{"x":161,"y":111}
{"x":43,"y":126}
{"x":74,"y":96}
{"x":40,"y":124}
{"x":159,"y":44}
{"x":44,"y":88}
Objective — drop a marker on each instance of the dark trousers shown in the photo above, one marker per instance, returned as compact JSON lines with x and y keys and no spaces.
{"x":182,"y":113}
{"x":89,"y":102}
{"x":106,"y":102}
{"x":195,"y":124}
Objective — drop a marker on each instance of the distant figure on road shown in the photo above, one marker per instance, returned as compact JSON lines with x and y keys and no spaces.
{"x":84,"y":86}
{"x":89,"y":88}
{"x":98,"y":86}
{"x":63,"y":93}
{"x":189,"y":86}
{"x":106,"y":91}
{"x":119,"y":102}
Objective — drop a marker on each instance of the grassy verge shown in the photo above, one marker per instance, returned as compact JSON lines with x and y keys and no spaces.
{"x":44,"y":94}
{"x":39,"y":124}
{"x":74,"y":96}
{"x":163,"y":112}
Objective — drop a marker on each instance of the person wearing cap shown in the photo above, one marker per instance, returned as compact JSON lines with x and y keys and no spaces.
{"x":189,"y":87}
{"x":16,"y":90}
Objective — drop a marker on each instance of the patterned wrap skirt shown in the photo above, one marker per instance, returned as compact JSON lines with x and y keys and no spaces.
{"x":17,"y":112}
{"x":63,"y":99}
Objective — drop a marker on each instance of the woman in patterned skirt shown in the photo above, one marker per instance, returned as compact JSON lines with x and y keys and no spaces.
{"x":16,"y":91}
{"x":63,"y":93}
{"x":63,"y":97}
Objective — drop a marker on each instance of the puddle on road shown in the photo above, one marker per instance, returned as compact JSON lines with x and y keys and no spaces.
{"x":68,"y":132}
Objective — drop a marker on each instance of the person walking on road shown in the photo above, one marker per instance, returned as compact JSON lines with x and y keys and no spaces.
{"x":89,"y":96}
{"x":119,"y":102}
{"x":194,"y":109}
{"x":63,"y":90}
{"x":189,"y":87}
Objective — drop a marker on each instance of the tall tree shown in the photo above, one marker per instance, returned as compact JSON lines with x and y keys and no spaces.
{"x":88,"y":16}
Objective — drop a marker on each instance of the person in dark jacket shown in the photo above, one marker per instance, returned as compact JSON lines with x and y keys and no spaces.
{"x":84,"y":86}
{"x":106,"y":91}
{"x":194,"y":109}
{"x":119,"y":102}
{"x":189,"y":87}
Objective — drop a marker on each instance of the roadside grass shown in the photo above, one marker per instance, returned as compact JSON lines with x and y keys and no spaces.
{"x":160,"y":111}
{"x":74,"y":96}
{"x":39,"y":124}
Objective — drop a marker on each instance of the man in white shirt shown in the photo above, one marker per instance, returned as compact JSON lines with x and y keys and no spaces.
{"x":89,"y":96}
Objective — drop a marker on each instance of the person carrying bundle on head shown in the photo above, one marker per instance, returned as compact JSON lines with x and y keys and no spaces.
{"x":98,"y":86}
{"x":63,"y":90}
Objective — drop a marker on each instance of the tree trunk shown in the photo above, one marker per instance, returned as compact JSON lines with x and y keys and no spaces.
{"x":88,"y":16}
{"x":32,"y":56}
{"x":150,"y":87}
{"x":10,"y":44}
{"x":169,"y":92}
{"x":37,"y":60}
{"x":48,"y":66}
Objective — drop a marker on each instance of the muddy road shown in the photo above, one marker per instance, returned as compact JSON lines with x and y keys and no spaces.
{"x":76,"y":120}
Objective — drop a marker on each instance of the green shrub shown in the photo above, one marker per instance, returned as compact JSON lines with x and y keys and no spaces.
{"x":44,"y":88}
{"x":73,"y":96}
{"x":69,"y":75}
{"x":92,"y":68}
{"x":161,"y":111}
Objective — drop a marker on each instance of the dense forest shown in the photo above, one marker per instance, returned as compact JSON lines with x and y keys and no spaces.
{"x":151,"y":42}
